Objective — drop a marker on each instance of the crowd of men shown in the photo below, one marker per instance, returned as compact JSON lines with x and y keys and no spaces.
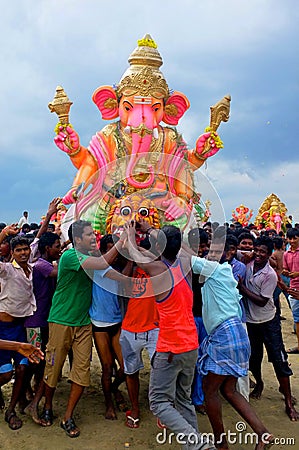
{"x":204,"y":304}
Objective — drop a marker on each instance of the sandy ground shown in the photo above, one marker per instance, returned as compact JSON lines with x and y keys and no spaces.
{"x":98,"y":433}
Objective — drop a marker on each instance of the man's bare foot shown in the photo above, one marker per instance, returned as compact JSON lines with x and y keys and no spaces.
{"x":14,"y":422}
{"x":32,"y":411}
{"x":265,"y":443}
{"x":120,"y":401}
{"x":257,"y":391}
{"x":201,"y":409}
{"x":110,"y":413}
{"x":293,"y":399}
{"x":292,"y":413}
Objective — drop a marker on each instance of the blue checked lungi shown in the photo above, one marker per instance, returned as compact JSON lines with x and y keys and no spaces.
{"x":226,"y":350}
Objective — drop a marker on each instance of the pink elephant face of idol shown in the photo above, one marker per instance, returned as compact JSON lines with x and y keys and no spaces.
{"x":135,"y":109}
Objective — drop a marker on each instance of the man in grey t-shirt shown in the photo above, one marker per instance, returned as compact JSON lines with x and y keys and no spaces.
{"x":263,"y":323}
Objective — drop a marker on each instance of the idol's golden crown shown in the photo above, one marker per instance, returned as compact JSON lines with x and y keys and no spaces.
{"x":143,"y":77}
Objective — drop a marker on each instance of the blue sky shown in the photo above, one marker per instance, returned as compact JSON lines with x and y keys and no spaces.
{"x":209,"y":48}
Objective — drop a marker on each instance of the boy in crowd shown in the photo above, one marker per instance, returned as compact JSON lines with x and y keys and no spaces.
{"x":44,"y":284}
{"x":140,"y":329}
{"x":291,"y":270}
{"x":239,"y":271}
{"x":17,"y":302}
{"x":105,"y":315}
{"x":198,"y":240}
{"x":276,"y":261}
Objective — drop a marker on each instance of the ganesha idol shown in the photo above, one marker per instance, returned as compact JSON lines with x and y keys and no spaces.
{"x":136,"y":153}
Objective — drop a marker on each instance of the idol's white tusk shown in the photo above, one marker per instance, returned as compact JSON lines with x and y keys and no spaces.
{"x":155,"y":133}
{"x":127,"y":129}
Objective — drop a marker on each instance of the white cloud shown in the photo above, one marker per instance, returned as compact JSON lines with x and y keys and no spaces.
{"x":251,"y":185}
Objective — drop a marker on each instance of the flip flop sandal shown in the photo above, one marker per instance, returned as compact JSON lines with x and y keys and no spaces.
{"x":160,"y":424}
{"x":134,"y":421}
{"x":14,"y":424}
{"x":70,"y":428}
{"x":46,"y":418}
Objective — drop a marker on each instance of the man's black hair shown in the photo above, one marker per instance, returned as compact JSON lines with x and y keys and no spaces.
{"x":107,"y":239}
{"x":34,"y":226}
{"x":26,"y":226}
{"x":278,"y":242}
{"x":292,"y":233}
{"x":51,"y":226}
{"x":231,"y":240}
{"x":266,"y":241}
{"x":47,"y":239}
{"x":77,"y":228}
{"x":173,"y":241}
{"x":220,"y":236}
{"x":19,"y":240}
{"x":245,"y":235}
{"x":197,"y":236}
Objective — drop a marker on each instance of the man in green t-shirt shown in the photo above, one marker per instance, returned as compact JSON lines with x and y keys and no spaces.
{"x":69,"y":322}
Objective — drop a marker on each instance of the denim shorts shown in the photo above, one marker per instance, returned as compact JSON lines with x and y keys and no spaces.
{"x":295,"y":308}
{"x":132,"y":345}
{"x":12,"y":331}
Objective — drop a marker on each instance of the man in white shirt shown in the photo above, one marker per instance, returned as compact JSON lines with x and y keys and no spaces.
{"x":24,"y":219}
{"x":17,"y":301}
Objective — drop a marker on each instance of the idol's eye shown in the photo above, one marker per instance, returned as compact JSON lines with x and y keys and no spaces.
{"x":127,"y":105}
{"x":156,"y":107}
{"x":143,"y":212}
{"x":125,"y":211}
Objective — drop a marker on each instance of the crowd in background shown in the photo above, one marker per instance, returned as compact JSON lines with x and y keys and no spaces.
{"x":250,"y":268}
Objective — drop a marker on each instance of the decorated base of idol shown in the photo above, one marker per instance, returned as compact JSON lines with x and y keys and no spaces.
{"x":135,"y":167}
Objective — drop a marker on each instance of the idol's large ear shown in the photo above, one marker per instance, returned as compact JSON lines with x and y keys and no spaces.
{"x":175,"y":107}
{"x":106,"y":100}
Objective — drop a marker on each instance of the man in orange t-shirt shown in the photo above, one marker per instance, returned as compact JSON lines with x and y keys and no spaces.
{"x":139,"y":330}
{"x":173,"y":363}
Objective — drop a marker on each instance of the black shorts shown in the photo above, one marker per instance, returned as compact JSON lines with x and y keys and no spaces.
{"x":269,"y":334}
{"x":111,"y":330}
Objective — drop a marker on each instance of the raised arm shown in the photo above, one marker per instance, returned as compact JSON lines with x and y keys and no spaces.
{"x":52,"y":209}
{"x":104,"y":261}
{"x":9,"y":230}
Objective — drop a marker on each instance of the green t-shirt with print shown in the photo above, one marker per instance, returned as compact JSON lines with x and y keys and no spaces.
{"x":72,"y":298}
